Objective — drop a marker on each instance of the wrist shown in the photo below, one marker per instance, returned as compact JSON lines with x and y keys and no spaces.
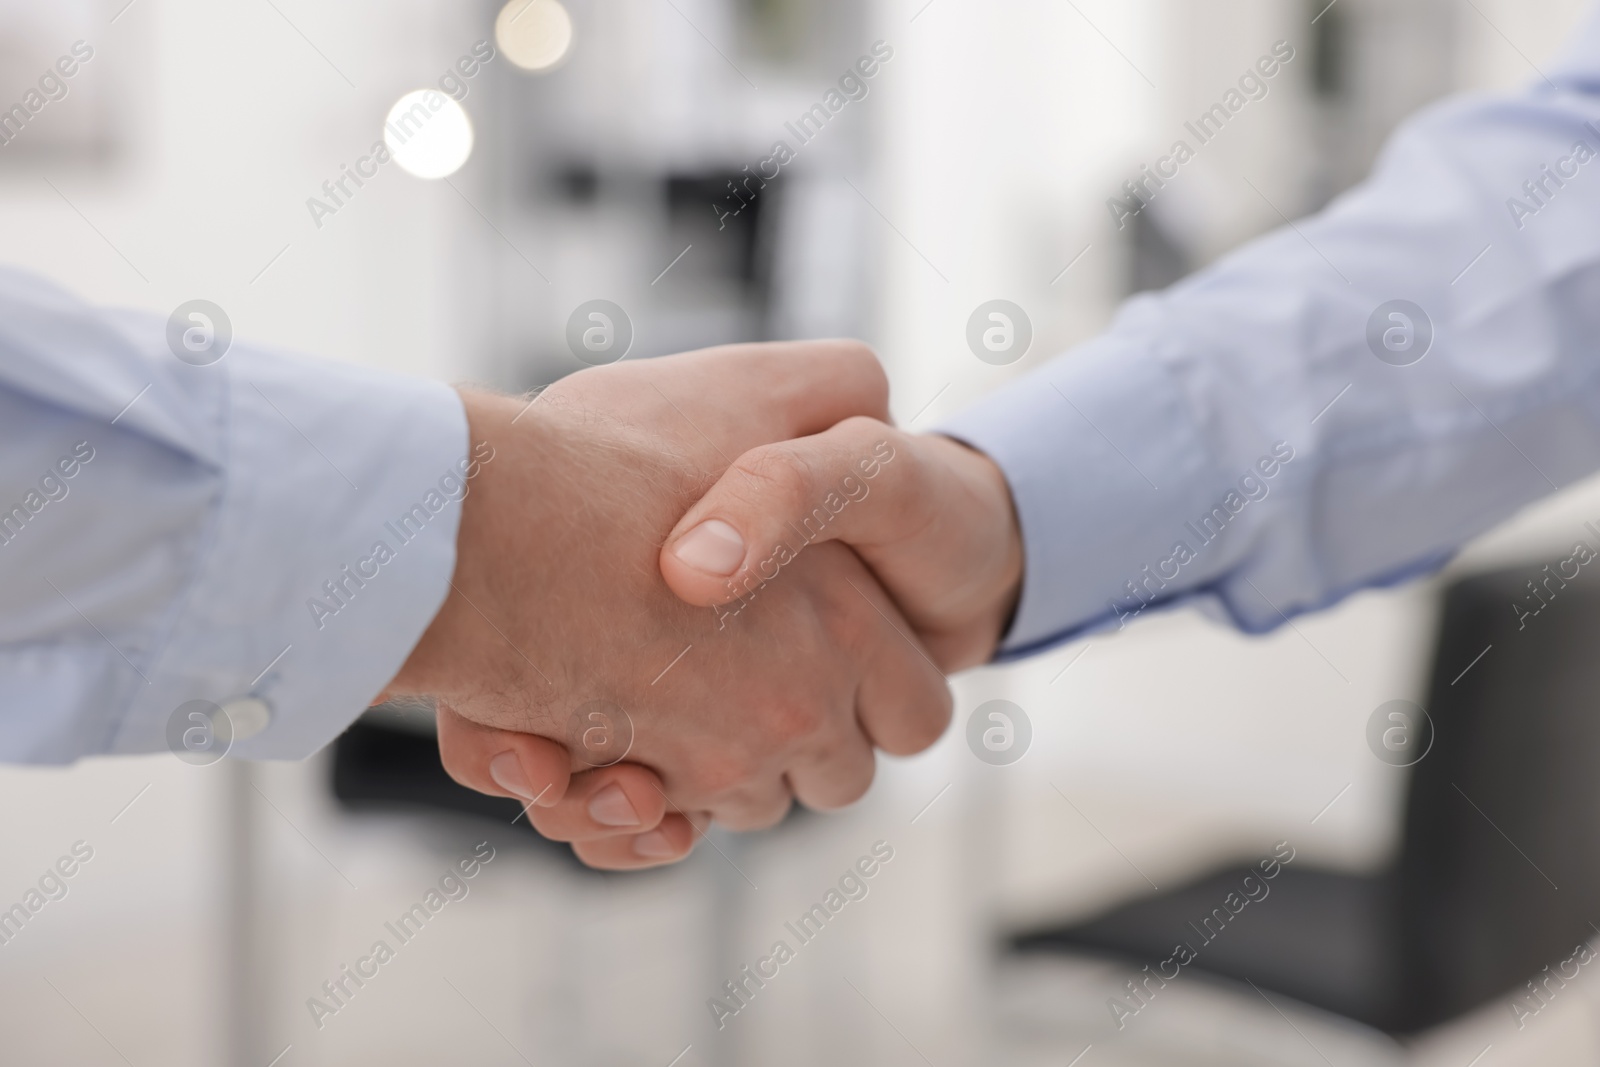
{"x":1007,"y":533}
{"x":442,"y":655}
{"x":994,"y":558}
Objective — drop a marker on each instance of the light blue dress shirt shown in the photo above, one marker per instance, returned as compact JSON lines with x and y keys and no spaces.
{"x":167,"y":530}
{"x":1140,"y":460}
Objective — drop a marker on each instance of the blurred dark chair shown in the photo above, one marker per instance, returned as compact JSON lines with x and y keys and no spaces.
{"x":388,"y":761}
{"x":1499,"y":869}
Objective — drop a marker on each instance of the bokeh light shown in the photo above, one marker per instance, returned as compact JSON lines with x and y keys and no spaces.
{"x":428,"y":134}
{"x":534,"y":34}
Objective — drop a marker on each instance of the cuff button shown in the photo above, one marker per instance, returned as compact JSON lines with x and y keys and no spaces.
{"x":248,"y":715}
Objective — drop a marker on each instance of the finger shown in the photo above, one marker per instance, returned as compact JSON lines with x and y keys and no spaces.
{"x":503,"y":763}
{"x":624,"y":799}
{"x":669,"y":842}
{"x":821,"y":383}
{"x":835,"y":776}
{"x":756,"y":808}
{"x":740,"y":794}
{"x":798,"y":388}
{"x":807,"y":386}
{"x":903,"y":703}
{"x":859,"y":482}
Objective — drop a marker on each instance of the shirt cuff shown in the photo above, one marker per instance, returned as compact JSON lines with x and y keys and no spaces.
{"x":1105,"y":461}
{"x":330,"y":552}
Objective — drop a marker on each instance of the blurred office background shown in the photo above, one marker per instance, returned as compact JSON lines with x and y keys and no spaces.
{"x":220,"y":899}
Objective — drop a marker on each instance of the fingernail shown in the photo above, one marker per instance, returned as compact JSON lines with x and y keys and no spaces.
{"x":506,"y":770}
{"x":654,"y":846}
{"x":713,"y":547}
{"x":611,"y":807}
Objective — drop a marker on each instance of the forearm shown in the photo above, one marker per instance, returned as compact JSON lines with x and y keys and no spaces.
{"x":1119,"y":452}
{"x":213,"y":548}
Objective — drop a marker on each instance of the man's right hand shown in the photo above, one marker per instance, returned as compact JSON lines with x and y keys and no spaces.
{"x":933,"y":518}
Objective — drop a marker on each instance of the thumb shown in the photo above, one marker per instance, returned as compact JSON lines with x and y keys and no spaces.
{"x":854,"y":483}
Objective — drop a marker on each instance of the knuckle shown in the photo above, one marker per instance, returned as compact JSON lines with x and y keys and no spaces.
{"x":853,"y":788}
{"x":774,"y":474}
{"x":864,"y":427}
{"x":860,"y":356}
{"x":720,"y":773}
{"x":849,"y":364}
{"x":789,"y":722}
{"x":749,"y":817}
{"x":773,"y":814}
{"x":863,"y":362}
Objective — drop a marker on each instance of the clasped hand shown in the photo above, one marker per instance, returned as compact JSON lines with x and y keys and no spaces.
{"x":724,"y":569}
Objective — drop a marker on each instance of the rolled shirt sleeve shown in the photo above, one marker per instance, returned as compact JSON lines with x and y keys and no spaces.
{"x":1266,"y":437}
{"x":266,"y":531}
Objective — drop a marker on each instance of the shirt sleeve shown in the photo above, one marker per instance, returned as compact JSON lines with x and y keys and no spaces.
{"x":1339,"y":405}
{"x":263,"y":532}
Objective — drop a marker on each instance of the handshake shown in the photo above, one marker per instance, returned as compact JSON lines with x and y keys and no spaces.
{"x":701,"y":587}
